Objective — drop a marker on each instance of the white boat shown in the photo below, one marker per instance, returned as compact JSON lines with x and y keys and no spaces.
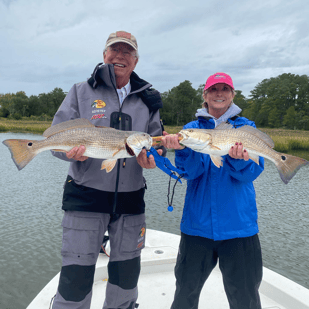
{"x":157,"y":282}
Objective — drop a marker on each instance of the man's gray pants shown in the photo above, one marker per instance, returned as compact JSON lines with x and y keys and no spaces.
{"x":83,"y":234}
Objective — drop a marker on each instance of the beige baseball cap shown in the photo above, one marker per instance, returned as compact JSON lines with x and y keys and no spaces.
{"x":122,"y":36}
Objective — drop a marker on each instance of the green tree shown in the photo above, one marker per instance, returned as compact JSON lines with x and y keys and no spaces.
{"x":240,"y":100}
{"x":56,"y":97}
{"x":6,"y":103}
{"x":274,"y":96}
{"x":290,"y":118}
{"x":274,"y":118}
{"x":20,"y":102}
{"x":19,"y":105}
{"x":180,"y":104}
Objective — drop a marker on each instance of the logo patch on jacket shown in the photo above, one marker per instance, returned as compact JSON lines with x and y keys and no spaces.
{"x":98,"y":116}
{"x":142,"y":232}
{"x":98,"y":104}
{"x":141,"y":239}
{"x":140,"y":245}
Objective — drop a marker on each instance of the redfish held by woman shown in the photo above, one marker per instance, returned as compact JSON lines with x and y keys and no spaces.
{"x":217,"y":143}
{"x":100,"y":142}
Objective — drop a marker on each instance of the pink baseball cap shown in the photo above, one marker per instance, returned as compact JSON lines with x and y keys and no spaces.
{"x":218,"y":78}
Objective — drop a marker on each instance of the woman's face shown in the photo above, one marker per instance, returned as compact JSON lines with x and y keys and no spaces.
{"x":218,"y":98}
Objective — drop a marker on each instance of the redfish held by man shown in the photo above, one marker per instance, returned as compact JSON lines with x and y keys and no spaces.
{"x":217,"y":143}
{"x":100,"y":142}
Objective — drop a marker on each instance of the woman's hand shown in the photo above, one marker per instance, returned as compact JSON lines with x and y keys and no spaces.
{"x":237,"y":152}
{"x":171,"y":141}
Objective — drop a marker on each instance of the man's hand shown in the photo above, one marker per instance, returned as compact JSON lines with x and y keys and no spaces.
{"x":76,"y":153}
{"x":237,"y":152}
{"x":170,"y":141}
{"x":145,"y":162}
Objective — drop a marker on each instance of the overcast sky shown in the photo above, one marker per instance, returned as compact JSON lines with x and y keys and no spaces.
{"x":46,"y":44}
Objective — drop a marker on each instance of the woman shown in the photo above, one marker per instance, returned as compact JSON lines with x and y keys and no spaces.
{"x":219,"y":220}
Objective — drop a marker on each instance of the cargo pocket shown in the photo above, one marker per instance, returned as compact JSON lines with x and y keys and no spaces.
{"x":80,"y":242}
{"x":134,"y":232}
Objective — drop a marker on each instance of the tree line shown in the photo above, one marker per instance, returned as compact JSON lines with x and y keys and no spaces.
{"x":277,"y":102}
{"x":41,"y":107}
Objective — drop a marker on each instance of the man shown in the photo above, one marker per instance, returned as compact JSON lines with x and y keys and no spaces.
{"x":95,"y":201}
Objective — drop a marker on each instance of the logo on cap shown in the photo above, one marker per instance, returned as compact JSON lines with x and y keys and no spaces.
{"x":220,"y":76}
{"x":123,"y":34}
{"x":121,"y":37}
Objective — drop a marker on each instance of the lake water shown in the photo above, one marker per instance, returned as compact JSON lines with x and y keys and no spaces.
{"x":30,"y":221}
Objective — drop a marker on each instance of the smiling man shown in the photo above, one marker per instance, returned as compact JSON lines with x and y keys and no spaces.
{"x":95,"y":201}
{"x":121,"y":52}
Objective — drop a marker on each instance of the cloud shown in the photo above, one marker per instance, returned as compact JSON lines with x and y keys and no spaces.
{"x":53,"y":43}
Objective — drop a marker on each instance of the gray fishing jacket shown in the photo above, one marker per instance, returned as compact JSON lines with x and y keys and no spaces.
{"x":97,"y":100}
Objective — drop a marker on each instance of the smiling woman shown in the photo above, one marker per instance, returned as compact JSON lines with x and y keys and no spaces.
{"x":218,"y":96}
{"x":227,"y":230}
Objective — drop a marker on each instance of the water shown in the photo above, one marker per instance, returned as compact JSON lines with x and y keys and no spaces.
{"x":30,"y":218}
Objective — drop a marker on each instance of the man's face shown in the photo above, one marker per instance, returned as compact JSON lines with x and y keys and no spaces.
{"x":122,"y":56}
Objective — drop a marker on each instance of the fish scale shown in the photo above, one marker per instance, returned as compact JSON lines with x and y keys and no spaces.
{"x":230,"y":137}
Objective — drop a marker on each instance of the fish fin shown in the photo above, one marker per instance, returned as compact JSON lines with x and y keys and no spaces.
{"x":224,"y":126}
{"x":288,"y":166}
{"x":259,"y":134}
{"x":59,"y":150}
{"x":21,"y":150}
{"x":71,"y":124}
{"x":108,"y":165}
{"x":216,"y":160}
{"x":255,"y":158}
{"x":214,"y":147}
{"x":118,"y":150}
{"x":103,"y":127}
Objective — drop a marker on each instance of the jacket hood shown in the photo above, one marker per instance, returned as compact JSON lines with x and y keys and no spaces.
{"x":231,"y":112}
{"x":105,"y":72}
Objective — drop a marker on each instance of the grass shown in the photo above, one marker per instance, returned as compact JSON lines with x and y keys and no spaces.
{"x":286,"y":141}
{"x":24,"y":125}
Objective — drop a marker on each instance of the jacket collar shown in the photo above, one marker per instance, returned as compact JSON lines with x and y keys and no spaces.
{"x":104,"y":74}
{"x":231,"y":112}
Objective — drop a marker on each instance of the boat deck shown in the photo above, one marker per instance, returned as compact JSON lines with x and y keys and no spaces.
{"x":157,"y":282}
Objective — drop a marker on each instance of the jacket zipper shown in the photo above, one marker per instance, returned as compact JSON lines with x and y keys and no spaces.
{"x":118,"y":163}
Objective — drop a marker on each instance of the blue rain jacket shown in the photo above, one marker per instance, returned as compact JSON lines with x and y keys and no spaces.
{"x":220,"y":202}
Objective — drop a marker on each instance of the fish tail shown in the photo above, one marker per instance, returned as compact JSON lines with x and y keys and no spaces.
{"x":288,"y":166}
{"x":21,"y":150}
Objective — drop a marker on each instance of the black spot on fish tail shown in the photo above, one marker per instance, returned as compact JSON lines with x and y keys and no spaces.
{"x":283,"y":158}
{"x":30,"y":144}
{"x":129,"y":150}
